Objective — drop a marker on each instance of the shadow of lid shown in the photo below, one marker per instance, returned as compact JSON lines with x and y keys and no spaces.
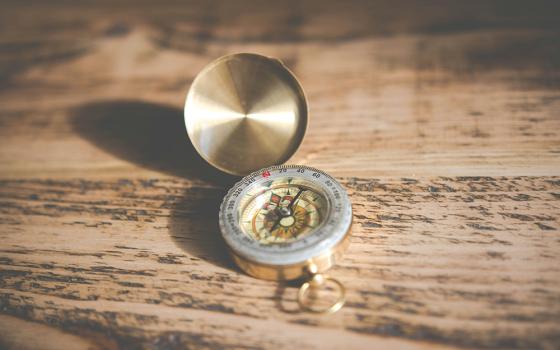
{"x":150,"y":135}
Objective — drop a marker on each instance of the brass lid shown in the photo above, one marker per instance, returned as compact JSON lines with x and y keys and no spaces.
{"x":245,"y":112}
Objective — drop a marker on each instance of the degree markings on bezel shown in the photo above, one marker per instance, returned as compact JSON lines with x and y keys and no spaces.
{"x":334,"y":225}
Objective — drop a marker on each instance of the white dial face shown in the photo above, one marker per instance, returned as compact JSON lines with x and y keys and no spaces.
{"x":285,"y":215}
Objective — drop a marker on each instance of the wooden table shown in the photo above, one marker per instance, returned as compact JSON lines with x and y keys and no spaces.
{"x":441,"y":120}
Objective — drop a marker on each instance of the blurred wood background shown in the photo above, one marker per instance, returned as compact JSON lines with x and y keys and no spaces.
{"x":441,"y":118}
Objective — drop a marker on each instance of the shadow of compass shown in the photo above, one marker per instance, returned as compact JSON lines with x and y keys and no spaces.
{"x":193,"y":226}
{"x":154,"y":136}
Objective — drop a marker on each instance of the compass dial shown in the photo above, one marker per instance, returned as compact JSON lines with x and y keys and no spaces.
{"x":285,"y":215}
{"x":283,"y":212}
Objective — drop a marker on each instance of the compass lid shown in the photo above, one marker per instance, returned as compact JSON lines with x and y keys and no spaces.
{"x":245,"y":112}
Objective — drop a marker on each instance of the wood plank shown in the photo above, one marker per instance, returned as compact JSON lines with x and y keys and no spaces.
{"x":440,"y":119}
{"x":470,"y":261}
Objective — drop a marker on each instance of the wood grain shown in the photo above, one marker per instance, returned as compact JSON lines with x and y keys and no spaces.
{"x":440,"y":119}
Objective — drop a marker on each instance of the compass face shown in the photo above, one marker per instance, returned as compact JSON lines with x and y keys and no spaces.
{"x":283,"y":211}
{"x":285,"y":215}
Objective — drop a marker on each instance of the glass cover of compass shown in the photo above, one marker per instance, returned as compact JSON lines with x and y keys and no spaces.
{"x":286,"y":215}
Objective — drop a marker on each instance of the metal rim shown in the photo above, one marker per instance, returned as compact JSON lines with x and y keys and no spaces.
{"x":317,"y":281}
{"x":317,"y":243}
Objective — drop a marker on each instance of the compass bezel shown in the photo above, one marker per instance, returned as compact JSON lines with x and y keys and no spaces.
{"x":317,"y":244}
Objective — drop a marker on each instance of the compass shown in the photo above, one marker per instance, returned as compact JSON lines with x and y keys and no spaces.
{"x":245,"y":114}
{"x":287,"y":222}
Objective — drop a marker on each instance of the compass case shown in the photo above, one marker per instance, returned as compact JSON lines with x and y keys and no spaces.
{"x":245,"y":112}
{"x":319,"y":264}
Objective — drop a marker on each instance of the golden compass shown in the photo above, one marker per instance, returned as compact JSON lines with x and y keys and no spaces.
{"x":244,"y":113}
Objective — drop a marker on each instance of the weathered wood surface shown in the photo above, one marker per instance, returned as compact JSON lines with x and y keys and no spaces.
{"x":440,"y":119}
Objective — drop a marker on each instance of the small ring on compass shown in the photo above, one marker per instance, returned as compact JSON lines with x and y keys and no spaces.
{"x":316,"y":282}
